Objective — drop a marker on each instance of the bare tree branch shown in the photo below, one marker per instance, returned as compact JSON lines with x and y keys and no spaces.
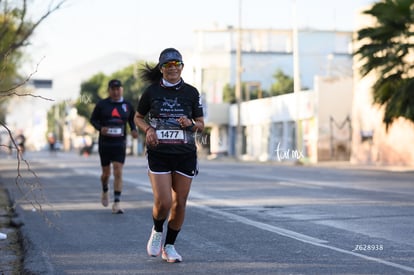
{"x":26,"y":34}
{"x":12,"y":91}
{"x":30,"y":32}
{"x":32,"y":192}
{"x":16,"y":35}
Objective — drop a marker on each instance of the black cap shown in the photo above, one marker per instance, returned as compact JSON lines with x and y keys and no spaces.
{"x":170,"y":54}
{"x":114,"y":83}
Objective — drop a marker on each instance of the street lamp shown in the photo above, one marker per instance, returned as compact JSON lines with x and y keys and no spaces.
{"x":239,"y":133}
{"x":296,"y":70}
{"x":296,"y":74}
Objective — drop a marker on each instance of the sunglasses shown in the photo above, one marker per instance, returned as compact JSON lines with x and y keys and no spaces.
{"x":172,"y":63}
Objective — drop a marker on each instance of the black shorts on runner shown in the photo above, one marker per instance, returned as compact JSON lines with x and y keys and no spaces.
{"x":112,"y":153}
{"x":184,"y":164}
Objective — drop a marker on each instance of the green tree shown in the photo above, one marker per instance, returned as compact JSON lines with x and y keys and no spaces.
{"x":55,"y":123}
{"x":90,"y":94}
{"x":387,"y":50}
{"x":283,"y":84}
{"x":133,"y":86}
{"x":96,"y":88}
{"x":229,"y":94}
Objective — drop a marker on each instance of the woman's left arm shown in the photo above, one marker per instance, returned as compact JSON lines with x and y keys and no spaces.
{"x":198,"y":124}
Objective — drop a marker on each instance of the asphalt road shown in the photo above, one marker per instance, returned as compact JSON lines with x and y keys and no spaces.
{"x":242,"y":218}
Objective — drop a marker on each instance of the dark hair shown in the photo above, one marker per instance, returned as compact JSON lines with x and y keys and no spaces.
{"x":153,"y":74}
{"x":150,"y":74}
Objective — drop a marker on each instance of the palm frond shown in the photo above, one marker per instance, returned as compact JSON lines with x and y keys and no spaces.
{"x":385,"y":48}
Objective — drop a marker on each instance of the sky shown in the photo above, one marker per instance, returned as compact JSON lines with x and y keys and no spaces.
{"x":84,"y":30}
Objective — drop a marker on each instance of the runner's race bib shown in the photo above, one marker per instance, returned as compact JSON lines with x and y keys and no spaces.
{"x":115,"y":131}
{"x":171,"y":135}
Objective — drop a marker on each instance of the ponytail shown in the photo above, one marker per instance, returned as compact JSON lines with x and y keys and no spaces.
{"x":150,"y":74}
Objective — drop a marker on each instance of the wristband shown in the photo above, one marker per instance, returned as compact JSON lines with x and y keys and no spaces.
{"x":190,"y":128}
{"x":146,"y":130}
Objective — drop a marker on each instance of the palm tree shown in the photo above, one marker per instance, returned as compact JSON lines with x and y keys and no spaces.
{"x":388,"y":51}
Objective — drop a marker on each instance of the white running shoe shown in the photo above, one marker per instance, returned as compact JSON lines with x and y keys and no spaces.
{"x":170,"y":254}
{"x":154,"y":243}
{"x":105,"y":198}
{"x":116,"y":208}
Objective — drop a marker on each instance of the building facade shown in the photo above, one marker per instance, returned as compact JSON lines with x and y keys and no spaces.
{"x":264,"y":51}
{"x":269,"y":125}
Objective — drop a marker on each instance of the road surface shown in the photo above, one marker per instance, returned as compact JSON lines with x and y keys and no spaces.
{"x":242,"y":218}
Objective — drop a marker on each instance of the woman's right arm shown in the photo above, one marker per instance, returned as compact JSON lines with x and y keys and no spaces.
{"x":141,"y":123}
{"x":150,"y":135}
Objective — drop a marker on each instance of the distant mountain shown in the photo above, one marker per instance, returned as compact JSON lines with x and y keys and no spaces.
{"x":66,"y":85}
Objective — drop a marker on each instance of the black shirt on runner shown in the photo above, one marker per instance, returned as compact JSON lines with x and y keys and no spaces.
{"x":115,"y":116}
{"x":164,"y":105}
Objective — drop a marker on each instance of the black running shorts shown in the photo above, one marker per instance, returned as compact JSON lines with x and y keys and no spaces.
{"x":112,"y":153}
{"x":184,"y":164}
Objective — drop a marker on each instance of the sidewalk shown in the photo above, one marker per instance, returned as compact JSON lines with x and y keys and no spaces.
{"x":373,"y":167}
{"x":322,"y":164}
{"x":10,"y":248}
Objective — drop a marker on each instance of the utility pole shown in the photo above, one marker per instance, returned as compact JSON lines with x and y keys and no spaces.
{"x":239,"y":69}
{"x":296,"y":75}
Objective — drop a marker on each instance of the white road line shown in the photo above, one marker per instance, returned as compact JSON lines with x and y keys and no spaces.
{"x":295,"y":235}
{"x":268,"y":227}
{"x":378,"y":260}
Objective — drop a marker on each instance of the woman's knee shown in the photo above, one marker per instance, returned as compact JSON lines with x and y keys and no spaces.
{"x":163,"y":206}
{"x":179,"y":205}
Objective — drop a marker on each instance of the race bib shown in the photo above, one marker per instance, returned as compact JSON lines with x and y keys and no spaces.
{"x":115,"y":132}
{"x":170,"y":136}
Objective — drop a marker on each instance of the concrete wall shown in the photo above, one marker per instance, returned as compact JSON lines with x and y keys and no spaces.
{"x":334,"y":97}
{"x":322,"y":118}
